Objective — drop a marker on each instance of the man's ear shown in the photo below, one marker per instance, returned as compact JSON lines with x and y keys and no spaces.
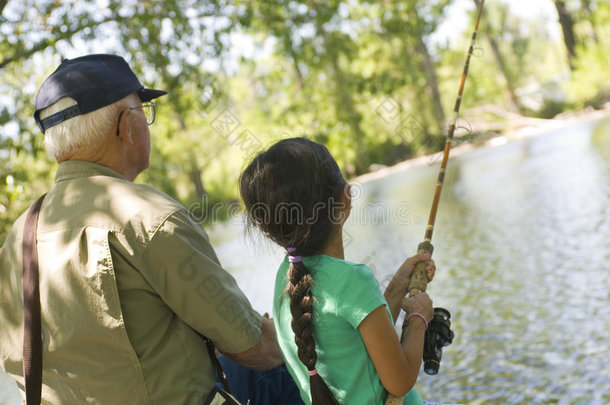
{"x":124,"y":129}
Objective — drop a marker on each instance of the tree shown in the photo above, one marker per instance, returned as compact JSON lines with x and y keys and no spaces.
{"x":409,"y":24}
{"x":589,"y":15}
{"x":308,"y":34}
{"x":2,"y":5}
{"x":426,"y":62}
{"x":363,"y":77}
{"x":567,"y":27}
{"x":165,"y":41}
{"x":500,"y":60}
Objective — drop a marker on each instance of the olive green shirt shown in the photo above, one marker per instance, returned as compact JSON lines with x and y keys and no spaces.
{"x":126,"y":278}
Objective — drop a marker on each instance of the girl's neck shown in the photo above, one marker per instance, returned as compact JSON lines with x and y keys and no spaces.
{"x":334,"y":246}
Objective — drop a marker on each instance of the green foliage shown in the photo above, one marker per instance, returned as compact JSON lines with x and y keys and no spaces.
{"x":363,"y":77}
{"x":590,"y":84}
{"x":24,"y":177}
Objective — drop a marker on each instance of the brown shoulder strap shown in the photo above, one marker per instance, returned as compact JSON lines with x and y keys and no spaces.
{"x":32,"y":335}
{"x":216,"y":363}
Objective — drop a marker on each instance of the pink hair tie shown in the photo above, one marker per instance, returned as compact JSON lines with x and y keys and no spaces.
{"x":312,"y":372}
{"x":417,"y":314}
{"x":295,"y":259}
{"x":292,"y":258}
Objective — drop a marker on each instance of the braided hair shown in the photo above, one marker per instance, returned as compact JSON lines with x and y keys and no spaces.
{"x":289,"y":192}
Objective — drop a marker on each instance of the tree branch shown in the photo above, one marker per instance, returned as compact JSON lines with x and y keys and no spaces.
{"x":44,"y":43}
{"x":2,"y":4}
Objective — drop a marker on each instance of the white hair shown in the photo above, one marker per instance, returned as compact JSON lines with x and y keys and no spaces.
{"x":83,"y":131}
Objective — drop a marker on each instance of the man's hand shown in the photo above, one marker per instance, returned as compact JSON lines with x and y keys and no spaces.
{"x":265,"y":354}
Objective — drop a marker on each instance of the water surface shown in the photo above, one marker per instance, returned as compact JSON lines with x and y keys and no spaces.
{"x":522,"y":245}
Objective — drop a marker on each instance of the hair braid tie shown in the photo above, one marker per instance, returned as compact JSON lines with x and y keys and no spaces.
{"x":292,"y":258}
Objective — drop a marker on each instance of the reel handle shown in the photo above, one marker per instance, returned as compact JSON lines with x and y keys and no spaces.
{"x":419,"y":278}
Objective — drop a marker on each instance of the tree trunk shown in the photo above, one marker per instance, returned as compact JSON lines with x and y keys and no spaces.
{"x":430,"y":95}
{"x":195,"y":172}
{"x":195,"y":175}
{"x":432,"y":87}
{"x":346,"y":112}
{"x":510,"y":83}
{"x":295,"y":60}
{"x":345,"y":105}
{"x":586,"y":6}
{"x":567,"y":26}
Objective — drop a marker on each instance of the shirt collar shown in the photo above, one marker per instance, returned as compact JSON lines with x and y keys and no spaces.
{"x":72,"y":169}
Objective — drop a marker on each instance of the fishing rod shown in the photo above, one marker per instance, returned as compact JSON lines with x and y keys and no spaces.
{"x":419,"y":280}
{"x":438,"y":333}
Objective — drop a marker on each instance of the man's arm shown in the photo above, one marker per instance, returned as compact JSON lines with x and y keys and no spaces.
{"x":184,"y":270}
{"x":181,"y":266}
{"x":265,"y":354}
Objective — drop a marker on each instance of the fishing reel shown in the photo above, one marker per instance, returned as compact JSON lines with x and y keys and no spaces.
{"x":438,"y":335}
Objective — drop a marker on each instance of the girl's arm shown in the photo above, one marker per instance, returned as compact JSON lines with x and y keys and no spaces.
{"x":399,"y":285}
{"x":397,"y":363}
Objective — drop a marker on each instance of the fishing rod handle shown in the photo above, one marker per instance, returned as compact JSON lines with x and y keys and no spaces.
{"x":419,"y":278}
{"x":419,"y":281}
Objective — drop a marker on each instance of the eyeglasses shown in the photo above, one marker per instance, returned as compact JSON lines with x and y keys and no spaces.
{"x":149,"y":112}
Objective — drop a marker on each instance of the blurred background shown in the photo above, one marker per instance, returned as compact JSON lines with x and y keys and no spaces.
{"x":374,"y":81}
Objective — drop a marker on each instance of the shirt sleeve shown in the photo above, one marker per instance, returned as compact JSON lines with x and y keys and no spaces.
{"x":360,"y":295}
{"x":182,"y":267}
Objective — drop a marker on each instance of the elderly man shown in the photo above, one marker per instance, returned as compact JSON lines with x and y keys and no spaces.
{"x":128,"y":281}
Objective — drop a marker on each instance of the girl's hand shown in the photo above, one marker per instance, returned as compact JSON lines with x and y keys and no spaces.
{"x":398,"y":287}
{"x":420,"y":303}
{"x":402,"y":277}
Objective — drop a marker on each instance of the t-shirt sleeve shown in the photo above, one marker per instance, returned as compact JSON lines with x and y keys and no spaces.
{"x":360,"y":295}
{"x":184,"y":270}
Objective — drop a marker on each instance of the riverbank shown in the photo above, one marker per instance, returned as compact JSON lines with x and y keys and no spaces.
{"x":486,"y":131}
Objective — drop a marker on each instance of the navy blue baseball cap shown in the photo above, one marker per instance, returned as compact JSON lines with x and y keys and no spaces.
{"x":94,"y":81}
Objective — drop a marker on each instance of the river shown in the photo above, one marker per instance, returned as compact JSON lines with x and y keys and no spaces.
{"x":522,"y":246}
{"x":522,"y":250}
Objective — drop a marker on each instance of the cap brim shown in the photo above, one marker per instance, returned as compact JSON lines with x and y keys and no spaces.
{"x":149,"y":94}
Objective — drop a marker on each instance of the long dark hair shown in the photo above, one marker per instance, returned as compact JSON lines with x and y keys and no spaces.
{"x":291,"y":192}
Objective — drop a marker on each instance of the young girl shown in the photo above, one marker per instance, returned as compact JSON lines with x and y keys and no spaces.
{"x":334,"y":326}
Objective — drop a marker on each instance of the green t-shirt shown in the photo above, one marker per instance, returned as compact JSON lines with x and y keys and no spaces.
{"x":345,"y":293}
